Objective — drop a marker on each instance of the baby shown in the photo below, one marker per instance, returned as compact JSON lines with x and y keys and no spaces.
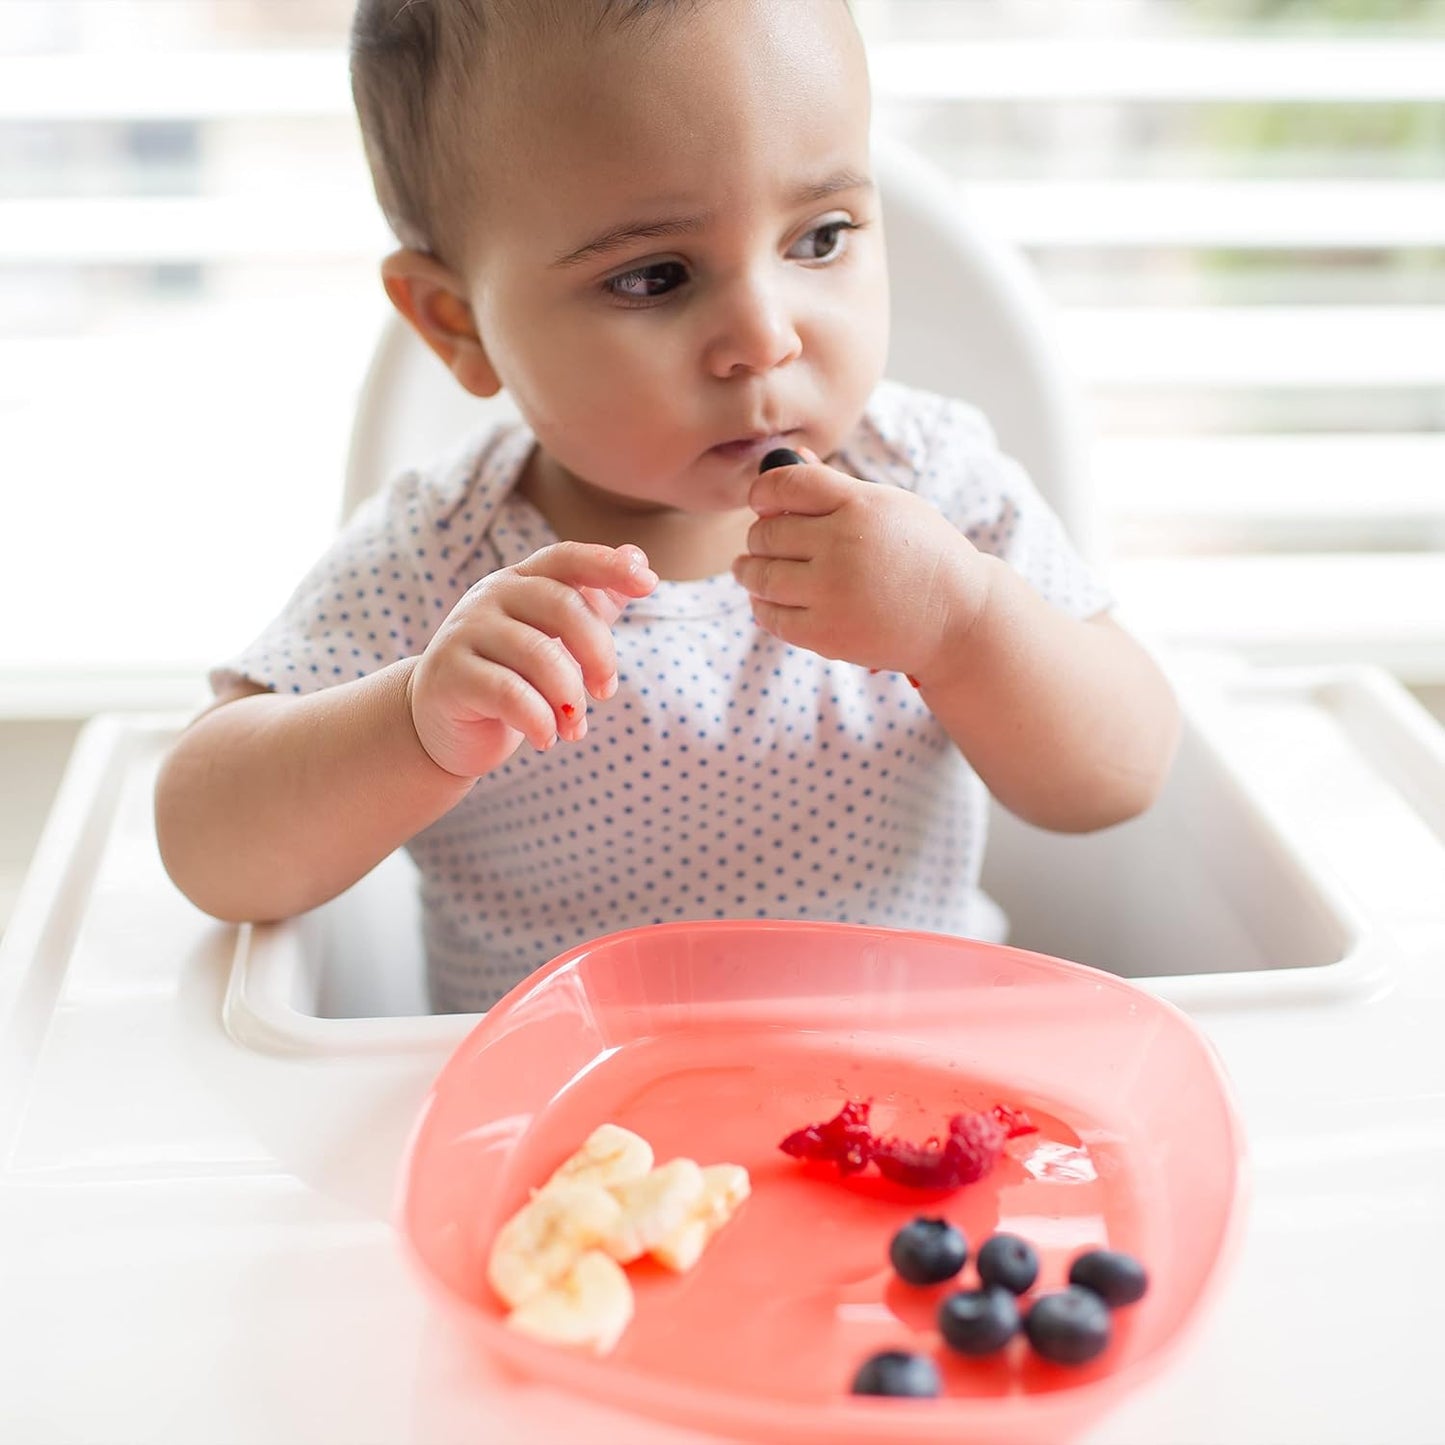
{"x":602,"y":668}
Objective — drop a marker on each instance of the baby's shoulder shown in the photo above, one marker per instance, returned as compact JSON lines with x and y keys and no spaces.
{"x":907,"y":434}
{"x":468,"y":480}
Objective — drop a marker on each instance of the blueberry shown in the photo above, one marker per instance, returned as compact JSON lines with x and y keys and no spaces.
{"x":779,"y":457}
{"x":1117,"y":1278}
{"x":928,"y":1251}
{"x":1068,"y":1327}
{"x":1009,"y":1262}
{"x":979,"y":1321}
{"x":896,"y":1372}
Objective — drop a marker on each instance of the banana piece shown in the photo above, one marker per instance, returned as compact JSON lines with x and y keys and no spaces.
{"x":652,"y":1208}
{"x":724,"y":1187}
{"x":544,"y":1239}
{"x":588,"y":1306}
{"x":558,"y":1261}
{"x":609,"y":1155}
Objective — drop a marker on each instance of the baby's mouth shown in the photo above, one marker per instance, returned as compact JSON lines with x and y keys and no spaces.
{"x":752,"y":448}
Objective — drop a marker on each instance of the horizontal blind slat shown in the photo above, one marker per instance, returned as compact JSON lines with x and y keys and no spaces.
{"x":1245,"y":215}
{"x":210,"y":84}
{"x":151,"y":230}
{"x":1231,"y":347}
{"x":1353,"y":476}
{"x":1187,"y":69}
{"x":1034,"y":215}
{"x":175,"y":85}
{"x":1383,"y":608}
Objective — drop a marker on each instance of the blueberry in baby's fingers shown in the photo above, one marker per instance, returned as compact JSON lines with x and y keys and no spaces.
{"x":979,"y":1321}
{"x":1069,"y":1327}
{"x":928,"y":1251}
{"x":897,"y":1372}
{"x":1009,"y":1262}
{"x":1117,"y":1278}
{"x":779,"y":457}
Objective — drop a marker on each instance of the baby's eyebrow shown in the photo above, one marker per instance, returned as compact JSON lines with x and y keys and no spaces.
{"x":844,"y":180}
{"x":623,"y":235}
{"x":617,"y":237}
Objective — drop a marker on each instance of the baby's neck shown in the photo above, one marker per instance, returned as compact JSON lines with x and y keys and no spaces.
{"x":681,"y":546}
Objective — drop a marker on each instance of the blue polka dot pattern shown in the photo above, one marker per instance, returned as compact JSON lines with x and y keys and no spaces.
{"x":731,"y":776}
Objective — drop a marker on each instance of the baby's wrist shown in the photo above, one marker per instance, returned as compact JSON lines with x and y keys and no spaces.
{"x":417,"y":732}
{"x":971,"y":622}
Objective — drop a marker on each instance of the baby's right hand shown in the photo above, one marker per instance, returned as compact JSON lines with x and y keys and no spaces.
{"x":521,"y":652}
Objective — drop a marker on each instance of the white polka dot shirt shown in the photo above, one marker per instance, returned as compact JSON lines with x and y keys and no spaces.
{"x":731,"y":776}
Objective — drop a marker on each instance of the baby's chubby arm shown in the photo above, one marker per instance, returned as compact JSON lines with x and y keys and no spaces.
{"x":1068,"y":722}
{"x":271,"y":804}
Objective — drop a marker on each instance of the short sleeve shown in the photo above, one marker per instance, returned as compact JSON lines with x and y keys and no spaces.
{"x":994,"y":502}
{"x":946,"y":451}
{"x":386,"y":583}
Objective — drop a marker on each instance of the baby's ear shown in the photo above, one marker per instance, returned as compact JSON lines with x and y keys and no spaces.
{"x":434,"y":301}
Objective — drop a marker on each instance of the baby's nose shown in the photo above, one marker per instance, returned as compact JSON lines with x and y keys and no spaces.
{"x":756,"y":333}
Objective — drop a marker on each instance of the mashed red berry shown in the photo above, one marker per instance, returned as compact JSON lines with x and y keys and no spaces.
{"x":844,"y":1140}
{"x":973,"y":1145}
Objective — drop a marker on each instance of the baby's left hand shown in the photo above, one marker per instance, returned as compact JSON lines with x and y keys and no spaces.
{"x":858,"y":571}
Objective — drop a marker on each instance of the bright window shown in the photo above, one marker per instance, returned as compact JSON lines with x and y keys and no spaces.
{"x":1238,"y":206}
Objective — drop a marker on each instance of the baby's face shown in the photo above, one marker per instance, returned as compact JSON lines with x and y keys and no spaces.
{"x":679,"y":259}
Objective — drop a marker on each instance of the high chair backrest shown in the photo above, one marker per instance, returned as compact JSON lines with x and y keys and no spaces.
{"x":970,"y":320}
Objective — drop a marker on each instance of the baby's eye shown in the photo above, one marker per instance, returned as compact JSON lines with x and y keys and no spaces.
{"x":647,"y":282}
{"x":823,"y":243}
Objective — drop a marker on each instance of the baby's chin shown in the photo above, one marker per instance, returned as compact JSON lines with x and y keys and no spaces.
{"x":700,"y":489}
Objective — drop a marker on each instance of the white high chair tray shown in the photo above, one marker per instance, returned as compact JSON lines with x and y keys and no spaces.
{"x":198,"y":1171}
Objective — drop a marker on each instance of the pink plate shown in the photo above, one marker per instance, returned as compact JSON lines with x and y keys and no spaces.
{"x":714,"y":1040}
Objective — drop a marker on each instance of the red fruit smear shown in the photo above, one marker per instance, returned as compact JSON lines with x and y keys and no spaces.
{"x":974,"y":1145}
{"x":845,"y":1139}
{"x":1014,"y":1121}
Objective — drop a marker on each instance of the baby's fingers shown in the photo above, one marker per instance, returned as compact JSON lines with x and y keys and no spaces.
{"x":810,"y":490}
{"x":548,"y":697}
{"x":550,"y":630}
{"x":778,"y":580}
{"x":608,"y":577}
{"x":497,"y":692}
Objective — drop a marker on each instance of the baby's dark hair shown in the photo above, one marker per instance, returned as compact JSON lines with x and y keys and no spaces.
{"x":415,"y":69}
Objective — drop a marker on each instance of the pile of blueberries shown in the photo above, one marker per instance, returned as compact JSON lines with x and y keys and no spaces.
{"x":1069,"y":1326}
